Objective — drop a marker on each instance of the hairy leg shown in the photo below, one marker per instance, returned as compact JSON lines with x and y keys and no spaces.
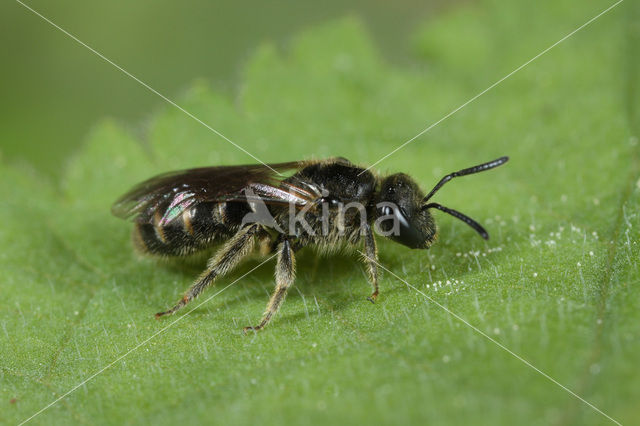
{"x":370,"y":258}
{"x":285,"y":275}
{"x":222,"y":262}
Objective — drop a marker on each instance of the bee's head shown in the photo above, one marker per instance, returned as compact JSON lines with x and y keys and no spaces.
{"x":401,"y":217}
{"x":403,"y":210}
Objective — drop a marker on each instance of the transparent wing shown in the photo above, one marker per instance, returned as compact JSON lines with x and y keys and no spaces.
{"x":174,"y":192}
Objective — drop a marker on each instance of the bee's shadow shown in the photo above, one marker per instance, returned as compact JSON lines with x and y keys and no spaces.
{"x":336,"y":280}
{"x":316,"y":276}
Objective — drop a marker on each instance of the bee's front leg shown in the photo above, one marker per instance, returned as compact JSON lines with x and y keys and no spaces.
{"x":370,"y":259}
{"x":285,"y":275}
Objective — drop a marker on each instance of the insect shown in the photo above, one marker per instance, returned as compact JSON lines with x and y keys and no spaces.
{"x":282,"y":208}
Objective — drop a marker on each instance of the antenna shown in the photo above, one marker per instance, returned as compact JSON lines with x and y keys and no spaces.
{"x":471,"y":170}
{"x":466,"y":219}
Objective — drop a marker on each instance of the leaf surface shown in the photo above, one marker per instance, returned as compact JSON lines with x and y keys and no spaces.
{"x":557,"y":283}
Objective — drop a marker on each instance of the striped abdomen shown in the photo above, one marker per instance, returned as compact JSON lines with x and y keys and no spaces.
{"x":196,"y":229}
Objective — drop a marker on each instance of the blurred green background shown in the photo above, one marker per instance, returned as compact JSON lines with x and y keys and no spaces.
{"x":557,"y":283}
{"x":53,"y":90}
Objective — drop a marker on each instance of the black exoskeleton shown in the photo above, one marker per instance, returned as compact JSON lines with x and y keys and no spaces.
{"x":326,"y":204}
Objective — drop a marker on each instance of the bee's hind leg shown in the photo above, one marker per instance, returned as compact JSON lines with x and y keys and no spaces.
{"x":285,"y":275}
{"x":227,"y":258}
{"x":370,"y":259}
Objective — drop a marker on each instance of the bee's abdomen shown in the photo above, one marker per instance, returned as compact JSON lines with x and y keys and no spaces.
{"x":196,"y":229}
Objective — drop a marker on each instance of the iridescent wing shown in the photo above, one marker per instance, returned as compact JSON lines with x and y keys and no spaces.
{"x":175,"y":192}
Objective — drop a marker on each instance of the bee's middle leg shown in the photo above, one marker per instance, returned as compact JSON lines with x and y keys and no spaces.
{"x":370,"y":259}
{"x":285,"y":275}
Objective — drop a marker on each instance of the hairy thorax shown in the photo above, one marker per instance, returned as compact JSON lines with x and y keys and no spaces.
{"x":337,"y":217}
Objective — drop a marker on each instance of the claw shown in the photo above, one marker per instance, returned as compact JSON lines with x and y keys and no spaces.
{"x":373,"y":297}
{"x":161,"y":314}
{"x":185,"y":299}
{"x":245,"y":330}
{"x":169,"y":312}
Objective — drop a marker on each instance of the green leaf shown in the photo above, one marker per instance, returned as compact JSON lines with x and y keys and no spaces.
{"x":557,"y":284}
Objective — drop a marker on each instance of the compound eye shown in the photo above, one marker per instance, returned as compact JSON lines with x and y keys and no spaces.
{"x":402,"y":229}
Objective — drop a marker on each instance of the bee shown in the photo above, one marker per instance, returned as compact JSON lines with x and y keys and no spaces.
{"x":282,"y":208}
